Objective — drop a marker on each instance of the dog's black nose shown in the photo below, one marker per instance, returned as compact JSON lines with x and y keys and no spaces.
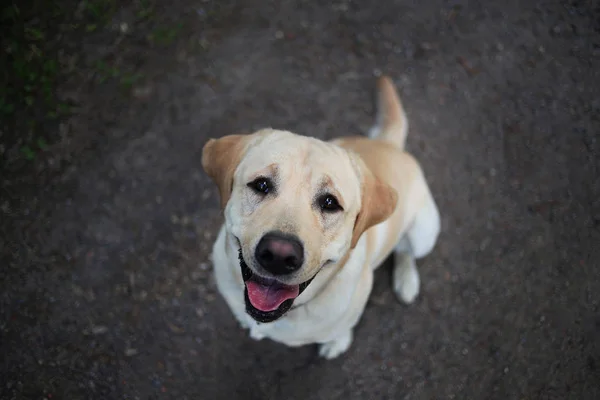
{"x":279,"y":253}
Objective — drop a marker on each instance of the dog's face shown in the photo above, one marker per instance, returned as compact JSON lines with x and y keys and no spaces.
{"x":293,"y":204}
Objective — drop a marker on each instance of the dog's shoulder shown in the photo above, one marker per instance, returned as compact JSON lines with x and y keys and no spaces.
{"x":386,"y":161}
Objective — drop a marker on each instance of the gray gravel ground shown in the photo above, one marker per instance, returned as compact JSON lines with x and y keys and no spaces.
{"x":106,"y":287}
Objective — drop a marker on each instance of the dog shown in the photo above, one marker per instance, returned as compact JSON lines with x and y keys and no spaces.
{"x":306,"y":223}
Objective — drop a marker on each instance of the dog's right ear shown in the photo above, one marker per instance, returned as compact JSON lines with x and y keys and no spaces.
{"x":220,"y":158}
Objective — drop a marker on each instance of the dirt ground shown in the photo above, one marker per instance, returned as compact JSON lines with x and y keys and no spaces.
{"x":106,"y":285}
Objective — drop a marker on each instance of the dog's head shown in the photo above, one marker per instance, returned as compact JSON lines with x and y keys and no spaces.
{"x":294,"y":204}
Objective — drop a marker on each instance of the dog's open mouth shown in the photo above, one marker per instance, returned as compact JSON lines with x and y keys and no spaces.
{"x":267,"y":299}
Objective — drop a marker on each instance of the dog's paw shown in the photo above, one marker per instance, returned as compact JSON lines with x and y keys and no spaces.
{"x":336,"y":347}
{"x":256,"y":335}
{"x":243,"y":324}
{"x":406,"y":279}
{"x":242,"y":319}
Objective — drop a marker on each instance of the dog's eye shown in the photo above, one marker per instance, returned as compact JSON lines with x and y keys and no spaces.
{"x":328,"y":203}
{"x":261,"y":185}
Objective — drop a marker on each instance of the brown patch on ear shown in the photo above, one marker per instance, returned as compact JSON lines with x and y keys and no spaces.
{"x":220,"y":158}
{"x":378,"y":203}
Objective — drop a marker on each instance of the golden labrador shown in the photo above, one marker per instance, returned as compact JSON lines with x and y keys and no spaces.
{"x":308,"y":221}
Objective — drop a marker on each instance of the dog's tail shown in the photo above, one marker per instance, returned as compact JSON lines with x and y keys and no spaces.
{"x":391,"y":124}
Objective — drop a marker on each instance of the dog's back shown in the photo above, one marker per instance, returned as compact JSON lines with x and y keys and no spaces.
{"x":383,"y":153}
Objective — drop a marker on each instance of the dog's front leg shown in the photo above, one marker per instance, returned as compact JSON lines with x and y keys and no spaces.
{"x":337,"y":346}
{"x":418,"y":242}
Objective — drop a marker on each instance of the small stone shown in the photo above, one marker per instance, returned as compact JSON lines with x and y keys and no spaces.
{"x":130,"y":352}
{"x":506,"y":370}
{"x":279,"y":35}
{"x":142,"y":92}
{"x":175,"y":329}
{"x":99,"y":330}
{"x":204,"y":43}
{"x":484,"y":244}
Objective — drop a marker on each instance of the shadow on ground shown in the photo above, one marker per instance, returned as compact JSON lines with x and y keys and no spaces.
{"x":106,"y":285}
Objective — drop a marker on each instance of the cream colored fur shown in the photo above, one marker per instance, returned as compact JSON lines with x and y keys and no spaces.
{"x":388,"y":208}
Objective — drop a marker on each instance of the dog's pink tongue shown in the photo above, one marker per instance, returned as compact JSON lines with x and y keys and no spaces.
{"x":269,"y":297}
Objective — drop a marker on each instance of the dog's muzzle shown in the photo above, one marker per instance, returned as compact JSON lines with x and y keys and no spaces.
{"x":267,"y":299}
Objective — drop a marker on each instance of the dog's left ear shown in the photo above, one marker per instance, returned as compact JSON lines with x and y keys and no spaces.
{"x":378,"y":203}
{"x":220,"y":158}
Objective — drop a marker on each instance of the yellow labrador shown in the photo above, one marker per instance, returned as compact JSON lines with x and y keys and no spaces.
{"x":307,"y":222}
